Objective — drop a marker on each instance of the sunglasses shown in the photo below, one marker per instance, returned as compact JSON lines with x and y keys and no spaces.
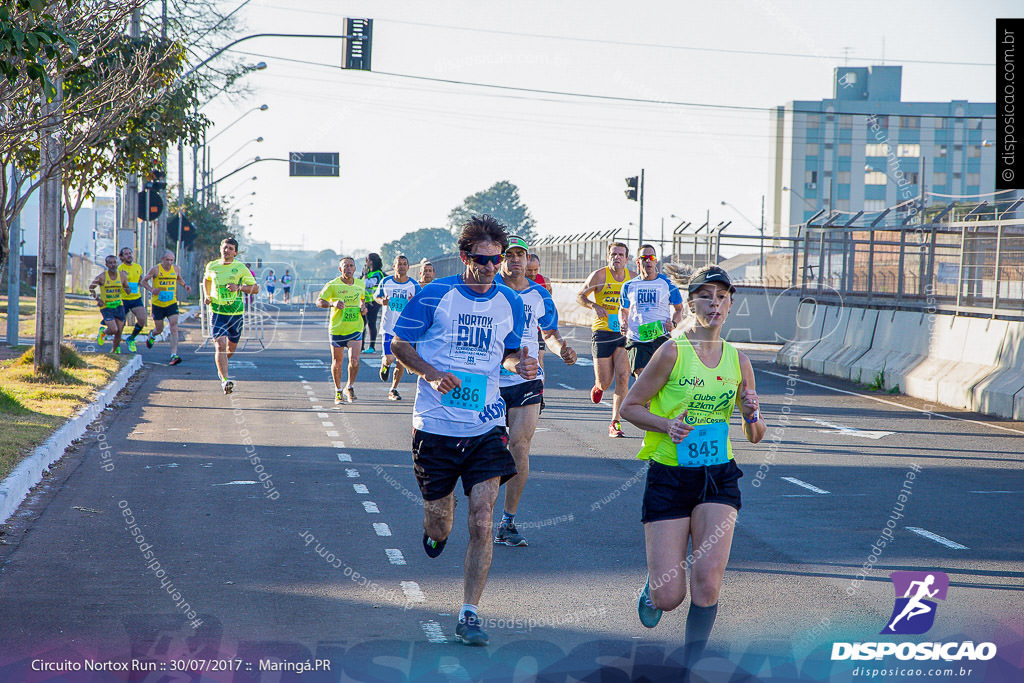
{"x":649,"y":257}
{"x":484,"y":260}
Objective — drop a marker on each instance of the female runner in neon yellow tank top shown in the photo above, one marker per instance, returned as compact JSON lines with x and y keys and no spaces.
{"x":692,"y":493}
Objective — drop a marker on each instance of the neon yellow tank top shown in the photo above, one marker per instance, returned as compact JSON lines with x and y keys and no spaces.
{"x":110,"y":292}
{"x":607,"y":297}
{"x":707,"y":394}
{"x":166,"y":286}
{"x":134,"y":273}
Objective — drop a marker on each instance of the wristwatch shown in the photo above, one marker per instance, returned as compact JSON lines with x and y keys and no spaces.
{"x":756,"y":416}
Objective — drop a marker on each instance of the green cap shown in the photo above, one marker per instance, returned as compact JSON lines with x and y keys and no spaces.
{"x":515,"y":241}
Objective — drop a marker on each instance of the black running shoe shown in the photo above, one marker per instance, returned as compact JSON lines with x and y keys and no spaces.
{"x":175,"y":359}
{"x":385,"y":371}
{"x":470,"y":632}
{"x":508,"y":535}
{"x":433,"y":548}
{"x":229,"y":386}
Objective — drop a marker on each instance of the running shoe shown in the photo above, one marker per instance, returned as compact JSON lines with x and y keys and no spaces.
{"x":117,"y":350}
{"x":596,"y":393}
{"x":645,"y":609}
{"x":175,"y":359}
{"x":100,"y":341}
{"x":131,"y":346}
{"x":433,"y":548}
{"x":371,"y":350}
{"x":229,"y":386}
{"x":508,"y":535}
{"x":150,"y":341}
{"x":338,"y":398}
{"x":615,"y":430}
{"x":385,"y":371}
{"x":350,"y":394}
{"x":393,"y":395}
{"x":470,"y":632}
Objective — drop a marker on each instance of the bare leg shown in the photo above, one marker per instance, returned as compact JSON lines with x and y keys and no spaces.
{"x":353,"y":362}
{"x":397,"y":376}
{"x":439,"y":516}
{"x":118,"y":326}
{"x":337,"y":358}
{"x":710,"y":520}
{"x":221,"y":356}
{"x":621,"y":365}
{"x":522,"y":422}
{"x":481,"y":546}
{"x":172,"y":334}
{"x":666,"y":560}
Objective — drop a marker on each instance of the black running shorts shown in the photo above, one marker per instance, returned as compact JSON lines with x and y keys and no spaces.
{"x":673,"y":492}
{"x":523,"y":394}
{"x":604,"y":342}
{"x":640,"y":352}
{"x":161,"y":312}
{"x":439,"y":461}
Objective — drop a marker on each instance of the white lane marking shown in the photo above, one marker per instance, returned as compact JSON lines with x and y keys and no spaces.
{"x":338,"y":444}
{"x":352,"y":473}
{"x":382,"y":529}
{"x":814,"y":495}
{"x":372,"y":361}
{"x":995,"y":492}
{"x":322,"y":415}
{"x":542,"y":429}
{"x":312,"y":399}
{"x":935,"y":537}
{"x":566,"y":386}
{"x":606,"y":403}
{"x":300,"y":377}
{"x":360,"y":488}
{"x":317,"y":407}
{"x":234,"y":483}
{"x":432,"y":630}
{"x":247,"y":364}
{"x":327,"y":423}
{"x":412,"y":592}
{"x":394,"y":556}
{"x":332,"y":433}
{"x":893,"y":403}
{"x":171,"y":465}
{"x":809,"y":487}
{"x":847,"y":431}
{"x":584,"y":361}
{"x":370,"y":507}
{"x":344,"y":457}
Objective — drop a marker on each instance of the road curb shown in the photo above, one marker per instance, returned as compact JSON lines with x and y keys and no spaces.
{"x":29,"y":471}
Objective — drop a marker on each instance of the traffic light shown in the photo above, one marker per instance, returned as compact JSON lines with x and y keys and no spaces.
{"x":156,"y":205}
{"x":632,"y":184}
{"x":355,"y":46}
{"x":188,"y":231}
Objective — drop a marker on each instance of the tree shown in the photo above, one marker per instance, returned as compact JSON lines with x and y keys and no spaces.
{"x":502,"y":202}
{"x":422,"y":243}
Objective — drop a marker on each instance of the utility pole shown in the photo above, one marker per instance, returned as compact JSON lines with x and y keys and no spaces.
{"x":127,"y":235}
{"x":14,"y":269}
{"x":161,"y":221}
{"x":640,"y":237}
{"x":762,"y":240}
{"x":49,"y":270}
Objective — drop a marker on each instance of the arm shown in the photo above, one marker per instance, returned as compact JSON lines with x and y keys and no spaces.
{"x":519,"y":362}
{"x":207,"y":284}
{"x":97,"y":282}
{"x":124,"y":283}
{"x":677,"y":316}
{"x":652,"y":379}
{"x":182,"y":280}
{"x":442,"y":382}
{"x":746,"y":399}
{"x":556,"y":343}
{"x":143,"y":283}
{"x":588,"y":287}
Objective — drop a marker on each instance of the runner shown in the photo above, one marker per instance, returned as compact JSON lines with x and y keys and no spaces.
{"x":113,"y":285}
{"x":372,"y":275}
{"x":692,"y":494}
{"x":270,"y":282}
{"x":522,"y":397}
{"x":464,"y":328}
{"x":651,"y":306}
{"x":222,"y":281}
{"x":133,"y":301}
{"x":533,"y":273}
{"x":609,"y":346}
{"x":164,"y":290}
{"x":426,"y":272}
{"x":393,"y":293}
{"x":345,"y":295}
{"x":286,"y":286}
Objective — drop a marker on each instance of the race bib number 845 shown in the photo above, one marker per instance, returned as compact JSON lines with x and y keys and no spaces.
{"x":705,"y":445}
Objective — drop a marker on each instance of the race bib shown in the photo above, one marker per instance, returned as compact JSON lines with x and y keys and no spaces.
{"x":471,"y":395}
{"x":350,"y":313}
{"x":165,"y":296}
{"x":705,"y":445}
{"x":113,"y":304}
{"x":225,"y":294}
{"x":133,"y":287}
{"x":649,"y":331}
{"x":397,"y":305}
{"x":613,"y":322}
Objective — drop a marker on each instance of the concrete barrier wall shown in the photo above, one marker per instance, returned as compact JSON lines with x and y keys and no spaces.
{"x":1002,"y":392}
{"x":900,"y":343}
{"x":810,"y":319}
{"x":833,"y":333}
{"x":860,"y":332}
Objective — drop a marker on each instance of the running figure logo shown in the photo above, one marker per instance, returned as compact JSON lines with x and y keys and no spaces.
{"x":914,"y":611}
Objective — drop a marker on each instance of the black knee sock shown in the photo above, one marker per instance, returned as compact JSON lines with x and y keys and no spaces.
{"x":135,"y":332}
{"x":699,"y":622}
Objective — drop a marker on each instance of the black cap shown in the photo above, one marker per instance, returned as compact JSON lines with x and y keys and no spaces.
{"x":708,"y":275}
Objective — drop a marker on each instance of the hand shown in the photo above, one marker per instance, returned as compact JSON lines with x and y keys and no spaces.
{"x":232,"y":287}
{"x":443,"y":382}
{"x":749,"y":403}
{"x":384,"y":301}
{"x":669,"y":326}
{"x":188,"y":289}
{"x":601,"y":312}
{"x":678,"y":429}
{"x":527,"y":366}
{"x":206,"y":301}
{"x":340,"y":305}
{"x":362,"y":309}
{"x":568,"y":355}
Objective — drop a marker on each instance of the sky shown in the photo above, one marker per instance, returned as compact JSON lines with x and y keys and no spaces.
{"x":411,"y":149}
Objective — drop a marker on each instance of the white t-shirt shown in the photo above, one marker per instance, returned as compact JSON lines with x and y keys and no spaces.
{"x":398,"y":295}
{"x":648,"y":301}
{"x":540,"y":312}
{"x":458,"y":330}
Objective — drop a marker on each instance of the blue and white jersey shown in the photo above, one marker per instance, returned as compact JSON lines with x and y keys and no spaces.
{"x":468,"y":334}
{"x":649,"y":302}
{"x":398,"y":295}
{"x":540,"y":312}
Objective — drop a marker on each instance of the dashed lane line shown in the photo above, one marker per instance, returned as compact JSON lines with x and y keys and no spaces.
{"x":370,"y":507}
{"x":809,"y":487}
{"x":382,"y":529}
{"x":344,"y":457}
{"x":941,"y":540}
{"x":394,"y":556}
{"x":360,"y":488}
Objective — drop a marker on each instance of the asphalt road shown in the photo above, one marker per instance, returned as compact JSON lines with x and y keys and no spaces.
{"x":282,"y":528}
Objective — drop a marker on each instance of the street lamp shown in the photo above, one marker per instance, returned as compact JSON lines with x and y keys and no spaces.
{"x":207,"y":164}
{"x":760,"y":229}
{"x":240,"y":148}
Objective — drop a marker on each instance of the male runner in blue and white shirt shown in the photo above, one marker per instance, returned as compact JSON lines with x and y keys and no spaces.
{"x":523,"y":398}
{"x":650,"y":306}
{"x":464,"y":329}
{"x":393,"y":293}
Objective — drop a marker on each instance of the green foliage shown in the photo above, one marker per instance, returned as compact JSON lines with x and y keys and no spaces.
{"x":501,"y":201}
{"x":422,"y":243}
{"x":11,"y":405}
{"x":31,"y":42}
{"x":69,"y":358}
{"x":211,"y":226}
